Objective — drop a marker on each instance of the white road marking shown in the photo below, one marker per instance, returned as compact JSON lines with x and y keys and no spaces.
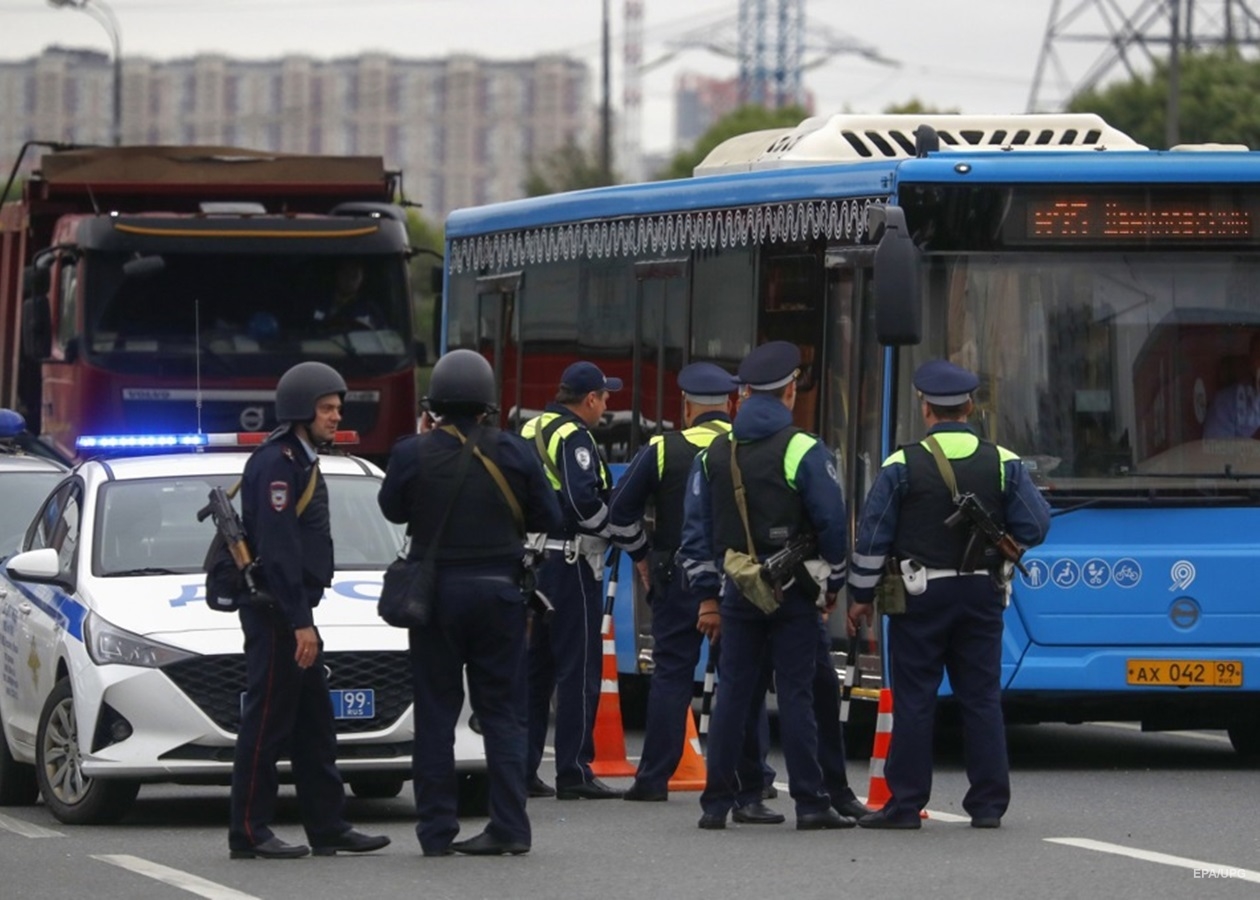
{"x":1201,"y":868}
{"x":27,"y":829}
{"x":175,"y":878}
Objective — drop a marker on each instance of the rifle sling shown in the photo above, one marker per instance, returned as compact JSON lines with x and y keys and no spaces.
{"x":497,"y":474}
{"x":741,"y":500}
{"x":942,"y":463}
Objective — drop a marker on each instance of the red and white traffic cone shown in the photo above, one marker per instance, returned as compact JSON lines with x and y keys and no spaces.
{"x":878,"y":794}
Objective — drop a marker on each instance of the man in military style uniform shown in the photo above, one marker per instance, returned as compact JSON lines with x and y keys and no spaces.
{"x":954,"y":602}
{"x":657,"y":476}
{"x":791,"y":490}
{"x":287,"y":707}
{"x":565,"y":655}
{"x":478,"y":619}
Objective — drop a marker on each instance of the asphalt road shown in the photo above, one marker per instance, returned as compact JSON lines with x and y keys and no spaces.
{"x":1099,"y":811}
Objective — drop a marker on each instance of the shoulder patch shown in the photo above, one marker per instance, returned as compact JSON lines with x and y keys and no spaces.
{"x":832,"y":473}
{"x":279,"y":495}
{"x":583,"y":457}
{"x":287,"y":451}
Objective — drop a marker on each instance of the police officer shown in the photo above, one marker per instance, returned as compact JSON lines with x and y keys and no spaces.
{"x":955,"y":622}
{"x":657,"y":476}
{"x":287,"y":706}
{"x":565,"y":654}
{"x":791,"y":489}
{"x":478,"y":618}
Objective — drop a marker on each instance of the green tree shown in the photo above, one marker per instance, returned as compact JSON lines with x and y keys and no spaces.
{"x":1220,"y":101}
{"x":740,"y":121}
{"x":915,"y":106}
{"x":569,"y":168}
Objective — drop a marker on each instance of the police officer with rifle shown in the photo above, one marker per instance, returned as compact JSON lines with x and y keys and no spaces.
{"x":748,"y":497}
{"x":478,"y":512}
{"x":949,"y":516}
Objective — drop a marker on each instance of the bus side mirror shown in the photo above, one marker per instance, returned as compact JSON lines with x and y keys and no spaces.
{"x":898,"y":290}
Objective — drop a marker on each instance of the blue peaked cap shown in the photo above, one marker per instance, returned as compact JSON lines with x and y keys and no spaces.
{"x":943,"y":383}
{"x":582,"y":377}
{"x":706,"y":383}
{"x":770,"y":366}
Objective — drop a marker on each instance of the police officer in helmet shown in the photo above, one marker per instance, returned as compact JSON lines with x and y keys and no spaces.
{"x":477,"y":510}
{"x":287,"y":708}
{"x":954,"y":601}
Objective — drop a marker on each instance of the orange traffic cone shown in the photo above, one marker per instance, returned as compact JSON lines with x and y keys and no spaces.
{"x":878,"y":794}
{"x":610,"y":736}
{"x":691,"y":773}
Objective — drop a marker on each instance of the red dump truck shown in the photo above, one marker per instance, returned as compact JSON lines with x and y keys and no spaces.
{"x":150,"y":290}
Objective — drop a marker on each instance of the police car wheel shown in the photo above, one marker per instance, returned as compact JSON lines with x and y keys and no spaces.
{"x":376,"y":788}
{"x":71,"y":796}
{"x":17,"y":780}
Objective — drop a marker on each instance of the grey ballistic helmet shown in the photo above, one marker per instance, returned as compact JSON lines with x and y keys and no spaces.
{"x":301,"y":386}
{"x":462,"y":382}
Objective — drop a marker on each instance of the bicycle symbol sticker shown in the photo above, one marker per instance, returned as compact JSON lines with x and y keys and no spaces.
{"x":1038,"y":574}
{"x":1096,"y":573}
{"x":1126,"y":573}
{"x":1065,"y":573}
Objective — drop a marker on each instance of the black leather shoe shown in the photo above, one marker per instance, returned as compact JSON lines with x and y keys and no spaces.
{"x":882,"y":819}
{"x":820,"y":821}
{"x":757,"y":814}
{"x":986,"y":822}
{"x":351,"y":841}
{"x":540,"y":788}
{"x":438,"y":851}
{"x":712,"y":822}
{"x":587,"y":790}
{"x":853,"y":808}
{"x":272,"y":848}
{"x":641,"y":792}
{"x":769,"y":792}
{"x":486,"y":844}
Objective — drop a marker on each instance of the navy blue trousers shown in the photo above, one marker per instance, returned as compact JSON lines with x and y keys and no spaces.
{"x":954,"y":626}
{"x":478,"y":627}
{"x":286,"y":710}
{"x":566,"y":657}
{"x":827,"y":715}
{"x":789,"y":638}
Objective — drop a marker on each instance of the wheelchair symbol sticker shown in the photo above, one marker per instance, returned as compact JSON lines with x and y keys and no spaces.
{"x":1065,"y":573}
{"x":1096,"y":573}
{"x":1126,"y":573}
{"x":1038,"y":574}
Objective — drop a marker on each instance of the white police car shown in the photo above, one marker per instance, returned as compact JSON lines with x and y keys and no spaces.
{"x":116,"y":672}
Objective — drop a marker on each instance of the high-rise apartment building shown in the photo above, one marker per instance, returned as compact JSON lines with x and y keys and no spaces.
{"x":463,"y":130}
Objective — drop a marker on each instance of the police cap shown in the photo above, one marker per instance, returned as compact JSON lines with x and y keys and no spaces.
{"x":944,"y":384}
{"x":770,"y":366}
{"x":582,"y":377}
{"x":706,"y":383}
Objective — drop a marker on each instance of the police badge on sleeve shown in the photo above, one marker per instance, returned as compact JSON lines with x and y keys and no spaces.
{"x":583,"y":457}
{"x":279,"y":495}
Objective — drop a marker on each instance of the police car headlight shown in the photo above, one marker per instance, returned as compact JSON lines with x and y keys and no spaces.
{"x":107,"y":644}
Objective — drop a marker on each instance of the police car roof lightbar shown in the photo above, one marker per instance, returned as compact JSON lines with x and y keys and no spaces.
{"x":187,"y":441}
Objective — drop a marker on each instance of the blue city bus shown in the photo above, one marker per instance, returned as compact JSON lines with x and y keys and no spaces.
{"x":1106,"y":294}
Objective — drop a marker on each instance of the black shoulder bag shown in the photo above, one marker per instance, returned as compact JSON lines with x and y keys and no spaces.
{"x":410,"y":585}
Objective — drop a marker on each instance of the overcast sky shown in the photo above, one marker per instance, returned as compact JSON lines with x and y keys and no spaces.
{"x":975,"y":55}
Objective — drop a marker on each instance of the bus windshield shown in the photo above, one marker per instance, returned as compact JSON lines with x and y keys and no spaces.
{"x":1116,"y":373}
{"x":246,"y":314}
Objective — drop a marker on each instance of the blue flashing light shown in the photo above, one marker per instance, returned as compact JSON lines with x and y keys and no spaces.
{"x":139,"y":441}
{"x":11,"y":423}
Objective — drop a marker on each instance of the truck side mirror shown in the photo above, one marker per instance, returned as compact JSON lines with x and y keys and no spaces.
{"x":898,"y":288}
{"x":36,"y":328}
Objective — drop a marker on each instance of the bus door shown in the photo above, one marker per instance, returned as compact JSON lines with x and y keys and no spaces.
{"x":793,"y":307}
{"x":658,"y":324}
{"x":498,"y":303}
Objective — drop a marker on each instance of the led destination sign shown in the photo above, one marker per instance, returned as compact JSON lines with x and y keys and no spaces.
{"x":1137,"y":218}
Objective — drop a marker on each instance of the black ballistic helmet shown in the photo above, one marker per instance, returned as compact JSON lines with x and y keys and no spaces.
{"x":462,"y":381}
{"x":301,"y":386}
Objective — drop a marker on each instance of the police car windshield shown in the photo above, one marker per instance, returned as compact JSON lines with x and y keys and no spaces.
{"x":149,"y":526}
{"x":22,"y":492}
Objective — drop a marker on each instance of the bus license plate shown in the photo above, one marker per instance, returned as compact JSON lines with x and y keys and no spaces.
{"x":1185,"y":672}
{"x":359,"y":703}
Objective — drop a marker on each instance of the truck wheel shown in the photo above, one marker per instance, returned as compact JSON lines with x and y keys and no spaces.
{"x":1245,"y":736}
{"x":17,"y":780}
{"x":71,"y":796}
{"x":376,"y":788}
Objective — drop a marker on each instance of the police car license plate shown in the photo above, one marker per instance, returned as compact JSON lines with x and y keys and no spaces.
{"x":1185,"y":672}
{"x":359,"y":703}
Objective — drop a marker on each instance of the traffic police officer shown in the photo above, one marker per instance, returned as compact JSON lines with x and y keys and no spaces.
{"x":565,"y":654}
{"x":791,"y":489}
{"x":287,"y":707}
{"x":953,"y":618}
{"x":658,"y":476}
{"x":478,"y":618}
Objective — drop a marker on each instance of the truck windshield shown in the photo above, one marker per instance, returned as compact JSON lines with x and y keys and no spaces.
{"x":252,"y":314}
{"x":1131,"y":374}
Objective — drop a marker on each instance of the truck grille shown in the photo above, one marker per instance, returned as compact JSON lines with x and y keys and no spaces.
{"x":215,"y":684}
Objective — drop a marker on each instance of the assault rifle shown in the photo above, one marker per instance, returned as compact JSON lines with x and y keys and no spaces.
{"x":535,"y":599}
{"x":783,"y":565}
{"x":971,"y":510}
{"x":232,"y":533}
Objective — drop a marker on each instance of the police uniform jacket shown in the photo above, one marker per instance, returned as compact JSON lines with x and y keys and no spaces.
{"x":904,"y":514}
{"x":295,"y":554}
{"x":658,"y":474}
{"x":420,"y":485}
{"x":582,"y":480}
{"x":798,"y":489}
